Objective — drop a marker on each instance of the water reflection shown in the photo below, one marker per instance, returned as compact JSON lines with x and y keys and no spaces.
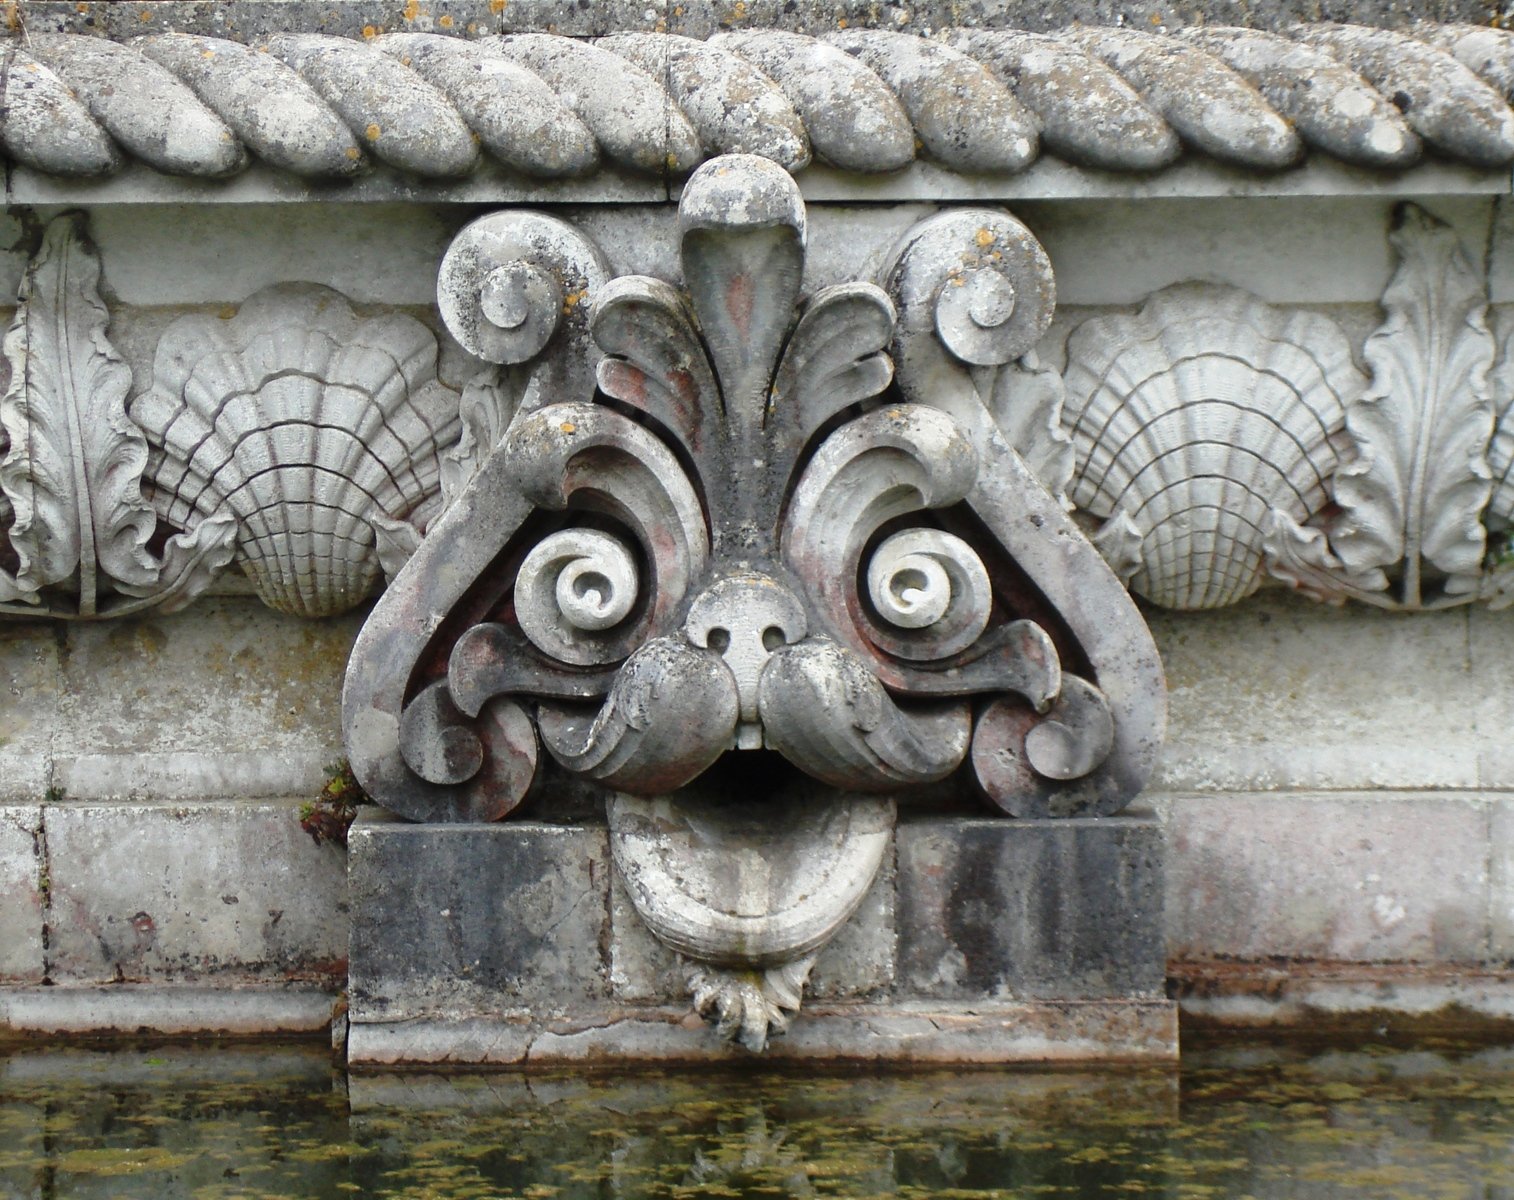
{"x":247,"y":1123}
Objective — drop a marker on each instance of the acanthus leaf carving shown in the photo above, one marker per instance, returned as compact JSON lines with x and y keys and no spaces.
{"x":1415,"y":493}
{"x":73,"y":468}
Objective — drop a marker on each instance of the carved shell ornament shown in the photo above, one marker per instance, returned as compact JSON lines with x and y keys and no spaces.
{"x":315,"y":433}
{"x":749,"y":537}
{"x":1199,"y":423}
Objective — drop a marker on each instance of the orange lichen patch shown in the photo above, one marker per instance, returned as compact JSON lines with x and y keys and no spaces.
{"x":444,"y":21}
{"x":372,"y":132}
{"x":412,"y":9}
{"x":369,"y":32}
{"x":354,"y":153}
{"x":144,"y":14}
{"x":568,"y":427}
{"x":496,"y":6}
{"x":985,"y":238}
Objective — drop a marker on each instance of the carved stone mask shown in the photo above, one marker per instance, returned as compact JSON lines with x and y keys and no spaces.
{"x":748,"y":537}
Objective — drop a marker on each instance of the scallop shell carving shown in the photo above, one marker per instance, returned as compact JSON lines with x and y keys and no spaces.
{"x":1193,"y":421}
{"x":319,"y":430}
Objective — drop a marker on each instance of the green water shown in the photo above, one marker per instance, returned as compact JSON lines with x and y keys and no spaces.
{"x":214,"y":1123}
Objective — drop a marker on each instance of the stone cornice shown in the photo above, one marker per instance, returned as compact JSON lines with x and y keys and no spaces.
{"x":541,"y":116}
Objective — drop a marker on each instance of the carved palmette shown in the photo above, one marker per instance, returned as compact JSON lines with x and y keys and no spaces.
{"x":745,"y":537}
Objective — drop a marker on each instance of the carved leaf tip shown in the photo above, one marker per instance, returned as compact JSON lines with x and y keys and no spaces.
{"x":1420,"y":480}
{"x":73,"y":469}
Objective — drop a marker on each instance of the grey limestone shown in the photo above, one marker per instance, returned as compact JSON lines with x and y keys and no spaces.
{"x":859,"y":962}
{"x":218,"y":894}
{"x":1019,"y":910}
{"x":1330,"y":877}
{"x":22,"y":900}
{"x":1281,"y":694}
{"x":184,"y":696}
{"x":476,"y":918}
{"x":922,"y":1034}
{"x":701,"y":18}
{"x":1501,"y":880}
{"x":34,"y":703}
{"x":128,"y":1010}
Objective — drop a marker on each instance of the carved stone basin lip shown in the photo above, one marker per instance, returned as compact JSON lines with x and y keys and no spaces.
{"x":749,"y":885}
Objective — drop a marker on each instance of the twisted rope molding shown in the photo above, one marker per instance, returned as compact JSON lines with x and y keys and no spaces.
{"x":868,"y":101}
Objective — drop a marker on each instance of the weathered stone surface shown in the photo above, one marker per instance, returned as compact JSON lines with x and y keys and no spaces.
{"x":1279,"y":694}
{"x":964,"y":118}
{"x":266,"y":104}
{"x":857,"y":963}
{"x":469,"y":920}
{"x":157,"y":706}
{"x":172,"y":1010}
{"x":1252,"y":877}
{"x":1022,"y":910}
{"x":33,"y":710}
{"x":22,"y":902}
{"x":853,"y":120}
{"x":197,"y":892}
{"x":144,"y":106}
{"x":44,"y":124}
{"x":1501,"y":880}
{"x":1087,"y":1031}
{"x":400,"y":117}
{"x":516,"y":116}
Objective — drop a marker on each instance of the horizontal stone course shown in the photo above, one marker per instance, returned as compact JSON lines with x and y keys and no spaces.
{"x":232,"y":893}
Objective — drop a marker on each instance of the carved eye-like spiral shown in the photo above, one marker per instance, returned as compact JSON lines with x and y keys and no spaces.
{"x":932,"y":586}
{"x":575,"y":585}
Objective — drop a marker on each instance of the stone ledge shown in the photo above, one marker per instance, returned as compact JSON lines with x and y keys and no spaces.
{"x":1081,"y":1031}
{"x":1341,"y":998}
{"x":130,"y":1010}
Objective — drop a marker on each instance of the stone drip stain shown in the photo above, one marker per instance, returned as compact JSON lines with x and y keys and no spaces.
{"x":239,"y":1122}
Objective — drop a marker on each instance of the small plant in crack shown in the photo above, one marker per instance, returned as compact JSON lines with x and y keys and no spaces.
{"x":328,"y":817}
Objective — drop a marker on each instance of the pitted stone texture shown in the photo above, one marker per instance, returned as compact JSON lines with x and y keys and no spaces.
{"x":227,"y":699}
{"x":31,"y":713}
{"x":196,"y":892}
{"x":21,"y":895}
{"x":1044,"y":910}
{"x":857,"y":963}
{"x":469,"y":920}
{"x":698,"y":18}
{"x":1349,"y":878}
{"x":1282,"y":694}
{"x":1501,"y":880}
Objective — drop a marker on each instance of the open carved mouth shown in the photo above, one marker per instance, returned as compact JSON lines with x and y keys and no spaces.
{"x":715,"y":531}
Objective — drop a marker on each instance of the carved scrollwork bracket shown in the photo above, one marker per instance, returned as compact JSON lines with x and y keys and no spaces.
{"x":745,"y":538}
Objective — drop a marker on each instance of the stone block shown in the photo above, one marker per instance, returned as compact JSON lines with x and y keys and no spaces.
{"x":463,"y":920}
{"x":33,"y":707}
{"x":21,"y":915}
{"x":226,"y":699}
{"x":1018,"y":910}
{"x":857,"y":963}
{"x":1501,"y":880}
{"x":1491,"y":665}
{"x":1351,"y":878}
{"x":1280,"y":693}
{"x":178,"y":893}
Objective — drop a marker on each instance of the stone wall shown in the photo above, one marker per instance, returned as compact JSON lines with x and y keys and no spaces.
{"x":1335,"y":787}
